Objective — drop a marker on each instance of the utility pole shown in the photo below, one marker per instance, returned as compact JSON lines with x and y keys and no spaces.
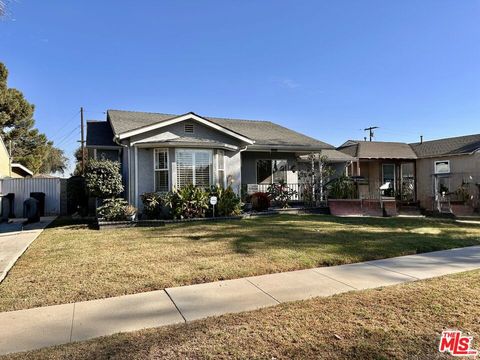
{"x":370,"y":130}
{"x":82,"y":141}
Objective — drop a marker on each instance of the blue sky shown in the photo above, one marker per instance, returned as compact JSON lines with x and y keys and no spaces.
{"x":324,"y":68}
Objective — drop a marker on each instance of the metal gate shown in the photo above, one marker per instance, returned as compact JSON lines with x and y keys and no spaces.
{"x":23,"y":187}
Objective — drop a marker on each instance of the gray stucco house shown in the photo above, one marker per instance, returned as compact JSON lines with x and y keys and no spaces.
{"x":159,"y":152}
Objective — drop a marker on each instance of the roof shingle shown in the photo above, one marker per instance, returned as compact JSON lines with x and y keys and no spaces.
{"x":262,"y":132}
{"x":378,"y":150}
{"x":449,"y":146}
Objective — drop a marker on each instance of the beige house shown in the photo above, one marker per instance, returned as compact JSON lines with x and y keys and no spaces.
{"x":380,"y":163}
{"x":5,"y":166}
{"x":448,"y":173}
{"x":9,"y":169}
{"x":440,"y":175}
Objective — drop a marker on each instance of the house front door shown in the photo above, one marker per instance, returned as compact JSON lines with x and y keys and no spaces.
{"x":407,"y":185}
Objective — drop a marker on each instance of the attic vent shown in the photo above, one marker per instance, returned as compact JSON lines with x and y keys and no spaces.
{"x":189,"y":128}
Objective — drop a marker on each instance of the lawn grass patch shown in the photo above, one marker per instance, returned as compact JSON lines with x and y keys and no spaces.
{"x":396,"y":322}
{"x":69,"y":263}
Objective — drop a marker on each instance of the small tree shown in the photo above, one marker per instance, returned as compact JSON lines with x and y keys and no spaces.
{"x":103,"y":178}
{"x":315,"y":181}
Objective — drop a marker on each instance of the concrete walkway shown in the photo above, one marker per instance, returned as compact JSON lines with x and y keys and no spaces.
{"x":15,"y":239}
{"x":53,"y":325}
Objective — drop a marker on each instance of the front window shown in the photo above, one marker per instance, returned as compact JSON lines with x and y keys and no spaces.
{"x":388,"y":179}
{"x":194,"y":167}
{"x":161,"y":170}
{"x":221,"y":167}
{"x":442,"y":167}
{"x":271,"y":171}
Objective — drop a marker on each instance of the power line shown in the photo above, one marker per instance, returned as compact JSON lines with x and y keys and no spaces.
{"x":370,"y":130}
{"x":62,"y":140}
{"x":65,"y":124}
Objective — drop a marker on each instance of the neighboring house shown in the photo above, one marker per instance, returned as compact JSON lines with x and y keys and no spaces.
{"x":20,"y":171}
{"x":382,"y":163}
{"x":438,"y":175}
{"x":5,"y":168}
{"x":448,"y":166}
{"x":159,"y":152}
{"x":9,"y":169}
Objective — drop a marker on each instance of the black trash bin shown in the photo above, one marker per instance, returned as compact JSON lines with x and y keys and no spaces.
{"x":40,"y":196}
{"x":31,"y":210}
{"x":8,"y":205}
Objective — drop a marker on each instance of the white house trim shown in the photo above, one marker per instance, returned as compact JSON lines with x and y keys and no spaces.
{"x":136,"y":176}
{"x":189,"y":116}
{"x":20,"y":166}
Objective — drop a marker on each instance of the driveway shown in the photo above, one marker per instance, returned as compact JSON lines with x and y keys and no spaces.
{"x":15,"y":239}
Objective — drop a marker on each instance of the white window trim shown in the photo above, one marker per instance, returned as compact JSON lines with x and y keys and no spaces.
{"x":441,"y":161}
{"x":221,"y":181}
{"x":193,"y":151}
{"x":167,"y":169}
{"x":394,"y":175}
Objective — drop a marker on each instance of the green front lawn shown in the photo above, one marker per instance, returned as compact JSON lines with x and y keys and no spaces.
{"x":70,"y":263}
{"x":396,"y":322}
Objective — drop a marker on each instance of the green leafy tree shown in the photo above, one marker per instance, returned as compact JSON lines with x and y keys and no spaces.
{"x":78,"y":161}
{"x":29,"y":147}
{"x":103,"y":178}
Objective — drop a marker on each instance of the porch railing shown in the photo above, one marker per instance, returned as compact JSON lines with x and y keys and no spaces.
{"x":296,"y":187}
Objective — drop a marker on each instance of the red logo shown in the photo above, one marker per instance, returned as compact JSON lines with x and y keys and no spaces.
{"x":454,"y":343}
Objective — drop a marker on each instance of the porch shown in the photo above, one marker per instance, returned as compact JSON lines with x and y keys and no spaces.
{"x":305,"y":174}
{"x":384,"y":179}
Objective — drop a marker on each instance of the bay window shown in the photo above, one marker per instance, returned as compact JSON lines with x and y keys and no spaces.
{"x":194,"y":167}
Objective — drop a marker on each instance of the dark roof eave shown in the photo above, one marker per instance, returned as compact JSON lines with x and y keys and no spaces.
{"x":448,"y":154}
{"x":282,"y":147}
{"x":388,"y":158}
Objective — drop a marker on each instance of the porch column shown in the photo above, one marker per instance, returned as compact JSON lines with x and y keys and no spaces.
{"x":173,"y":167}
{"x":320,"y":168}
{"x":358,"y":167}
{"x":135,"y":200}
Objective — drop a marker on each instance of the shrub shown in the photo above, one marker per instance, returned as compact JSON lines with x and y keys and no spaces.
{"x":152,"y":204}
{"x":116,"y":209}
{"x":342,"y":188}
{"x":103,"y":178}
{"x":188,"y":202}
{"x":229,"y":203}
{"x":260,"y":201}
{"x":281,"y":193}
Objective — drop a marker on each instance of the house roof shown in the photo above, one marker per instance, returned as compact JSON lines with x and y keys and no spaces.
{"x":19,"y":169}
{"x":332,"y":156}
{"x":377,"y":150}
{"x":448,"y":146}
{"x":99,"y":133}
{"x":263,"y":133}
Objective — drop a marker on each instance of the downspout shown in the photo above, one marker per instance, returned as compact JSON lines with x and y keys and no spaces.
{"x":240,"y":152}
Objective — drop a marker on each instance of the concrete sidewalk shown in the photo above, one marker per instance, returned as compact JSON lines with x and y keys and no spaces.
{"x":15,"y":239}
{"x":54,"y":325}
